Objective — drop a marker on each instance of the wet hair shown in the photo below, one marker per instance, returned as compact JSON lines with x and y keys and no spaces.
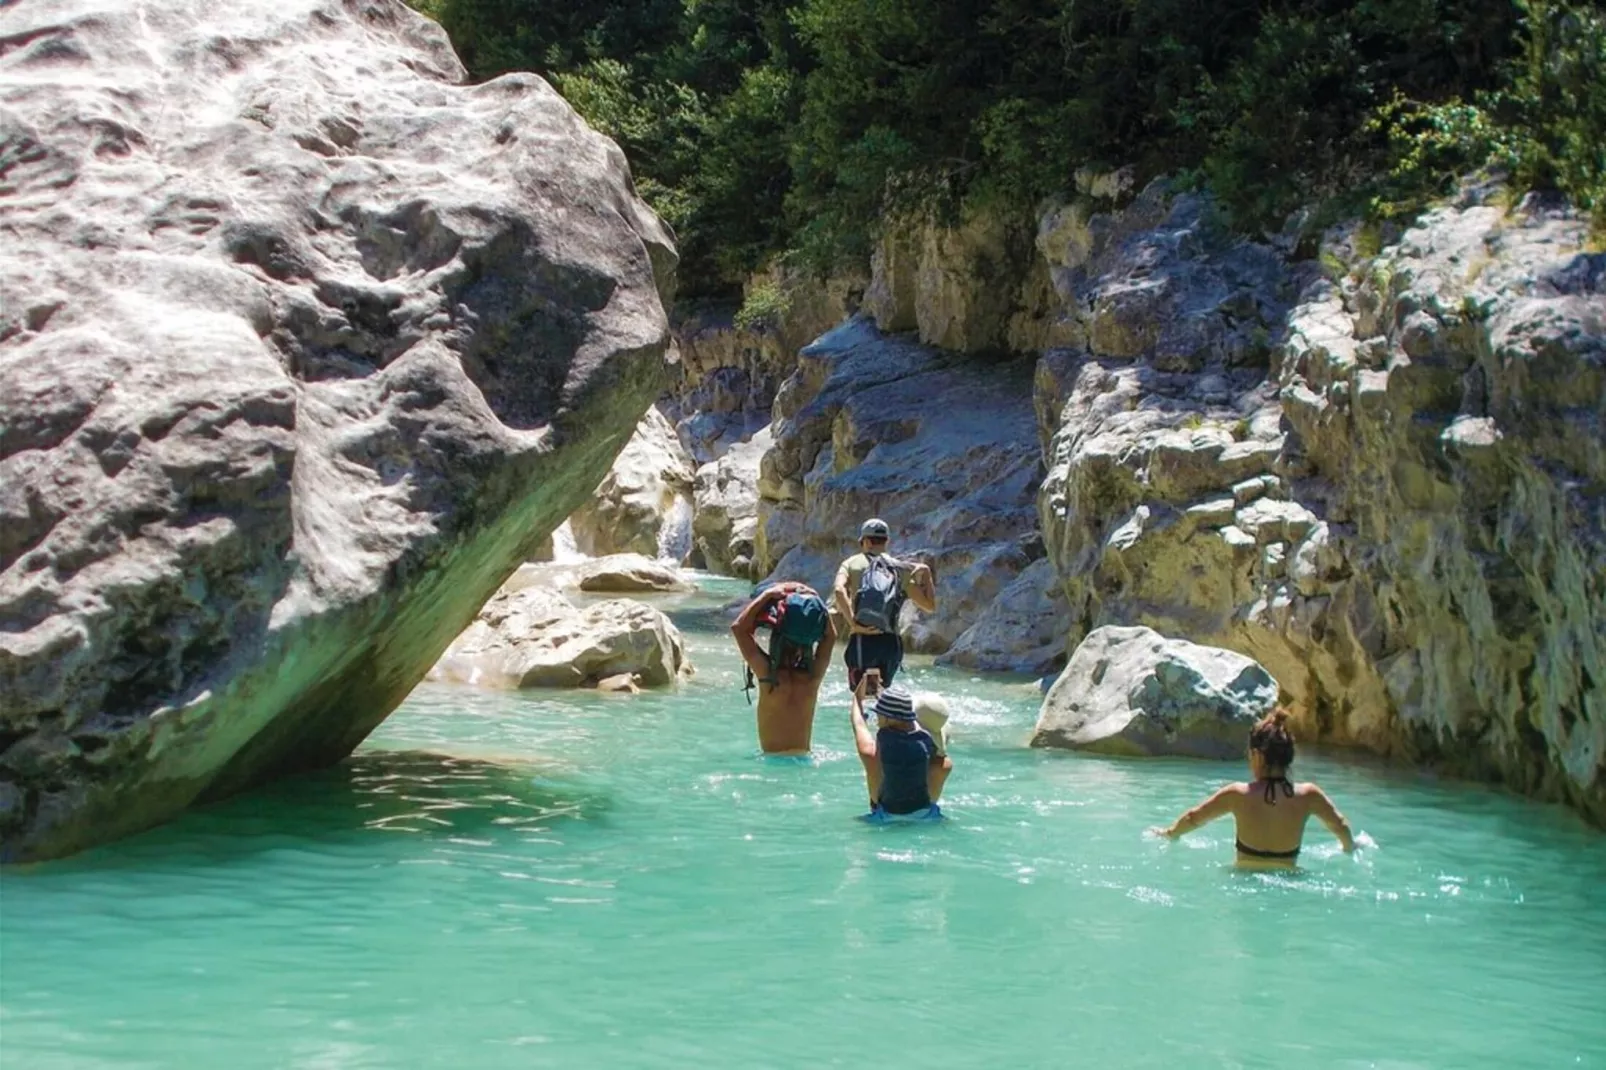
{"x":794,"y":656}
{"x":1272,"y":740}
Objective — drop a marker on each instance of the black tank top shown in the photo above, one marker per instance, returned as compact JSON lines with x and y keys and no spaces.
{"x":905,"y":764}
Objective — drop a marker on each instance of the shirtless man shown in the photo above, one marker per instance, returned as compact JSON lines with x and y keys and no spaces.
{"x":786,"y":700}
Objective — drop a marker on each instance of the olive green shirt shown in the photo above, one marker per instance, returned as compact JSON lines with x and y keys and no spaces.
{"x":852,"y":573}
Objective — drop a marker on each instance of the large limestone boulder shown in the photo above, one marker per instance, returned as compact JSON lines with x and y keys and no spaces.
{"x":304,"y":345}
{"x":536,"y":637}
{"x":644,"y":504}
{"x":725,"y":521}
{"x":1132,"y":691}
{"x":943,"y":448}
{"x":623,"y":573}
{"x":1401,"y":517}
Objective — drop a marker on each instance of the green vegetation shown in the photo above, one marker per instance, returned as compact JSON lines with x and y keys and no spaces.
{"x":762,"y":128}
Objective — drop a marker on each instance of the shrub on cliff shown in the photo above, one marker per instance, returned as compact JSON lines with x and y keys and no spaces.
{"x":758,"y":128}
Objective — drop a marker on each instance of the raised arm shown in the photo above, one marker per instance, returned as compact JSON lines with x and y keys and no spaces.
{"x":1218,"y":805}
{"x":1328,"y":814}
{"x":822,"y":652}
{"x":922,"y":587}
{"x":747,"y":623}
{"x":864,"y":742}
{"x":839,"y":595}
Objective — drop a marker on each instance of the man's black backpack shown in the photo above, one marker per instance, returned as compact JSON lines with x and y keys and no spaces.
{"x":880,"y":594}
{"x":797,"y":620}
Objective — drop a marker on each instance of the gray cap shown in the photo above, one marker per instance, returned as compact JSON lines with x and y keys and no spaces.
{"x":874,"y":526}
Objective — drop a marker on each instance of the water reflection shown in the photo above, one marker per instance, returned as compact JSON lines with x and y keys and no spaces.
{"x":435,"y":796}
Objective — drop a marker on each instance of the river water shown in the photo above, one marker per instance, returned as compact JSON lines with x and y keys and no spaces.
{"x":585,"y":880}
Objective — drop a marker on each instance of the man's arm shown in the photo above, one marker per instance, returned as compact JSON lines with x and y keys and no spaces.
{"x":937,"y":775}
{"x":1328,"y":814}
{"x":747,"y":623}
{"x":922,"y":587}
{"x":843,"y":603}
{"x":864,"y":743}
{"x":1218,"y":805}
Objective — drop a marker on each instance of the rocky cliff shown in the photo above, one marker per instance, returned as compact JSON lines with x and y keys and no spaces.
{"x":943,"y":448}
{"x":1386,"y":480}
{"x":304,"y":345}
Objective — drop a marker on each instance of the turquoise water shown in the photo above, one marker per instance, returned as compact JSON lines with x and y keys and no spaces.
{"x":582,"y":880}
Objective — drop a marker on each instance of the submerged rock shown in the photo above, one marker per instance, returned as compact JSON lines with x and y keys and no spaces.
{"x":537,"y":638}
{"x":1132,"y":691}
{"x":304,"y":346}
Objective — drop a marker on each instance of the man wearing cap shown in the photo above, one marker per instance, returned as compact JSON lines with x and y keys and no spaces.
{"x":904,"y":766}
{"x":868,"y":646}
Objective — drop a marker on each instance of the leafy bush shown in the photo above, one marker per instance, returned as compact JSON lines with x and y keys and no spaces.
{"x":761,"y":127}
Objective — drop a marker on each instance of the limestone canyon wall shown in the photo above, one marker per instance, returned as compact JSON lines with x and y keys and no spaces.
{"x":304,"y":346}
{"x":1383,"y":477}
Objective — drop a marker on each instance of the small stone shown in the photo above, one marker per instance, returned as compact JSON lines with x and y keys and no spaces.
{"x":1248,"y":490}
{"x":1212,"y":514}
{"x":1237,"y":538}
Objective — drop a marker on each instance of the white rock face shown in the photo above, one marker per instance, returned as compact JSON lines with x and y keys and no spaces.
{"x":304,"y":346}
{"x":644,"y":495}
{"x":1132,"y":691}
{"x":725,"y":526}
{"x":536,"y":637}
{"x":943,"y":449}
{"x":1402,"y":517}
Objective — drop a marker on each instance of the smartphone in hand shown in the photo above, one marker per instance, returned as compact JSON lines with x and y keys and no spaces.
{"x":872,"y":683}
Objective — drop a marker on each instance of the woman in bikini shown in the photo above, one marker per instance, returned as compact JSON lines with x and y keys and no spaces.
{"x":1270,"y":810}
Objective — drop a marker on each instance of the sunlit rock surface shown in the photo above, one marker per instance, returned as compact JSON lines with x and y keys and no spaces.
{"x":644,"y":504}
{"x":1132,"y":691}
{"x":535,"y":637}
{"x":304,"y":346}
{"x":1385,"y":480}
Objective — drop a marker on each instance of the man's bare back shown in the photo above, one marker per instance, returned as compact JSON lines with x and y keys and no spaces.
{"x":786,"y":712}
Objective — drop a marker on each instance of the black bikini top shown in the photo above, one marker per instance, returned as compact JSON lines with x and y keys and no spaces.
{"x":1271,"y":782}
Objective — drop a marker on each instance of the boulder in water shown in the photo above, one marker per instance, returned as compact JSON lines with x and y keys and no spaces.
{"x":304,"y":345}
{"x":624,"y":573}
{"x":535,"y":637}
{"x":1132,"y":691}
